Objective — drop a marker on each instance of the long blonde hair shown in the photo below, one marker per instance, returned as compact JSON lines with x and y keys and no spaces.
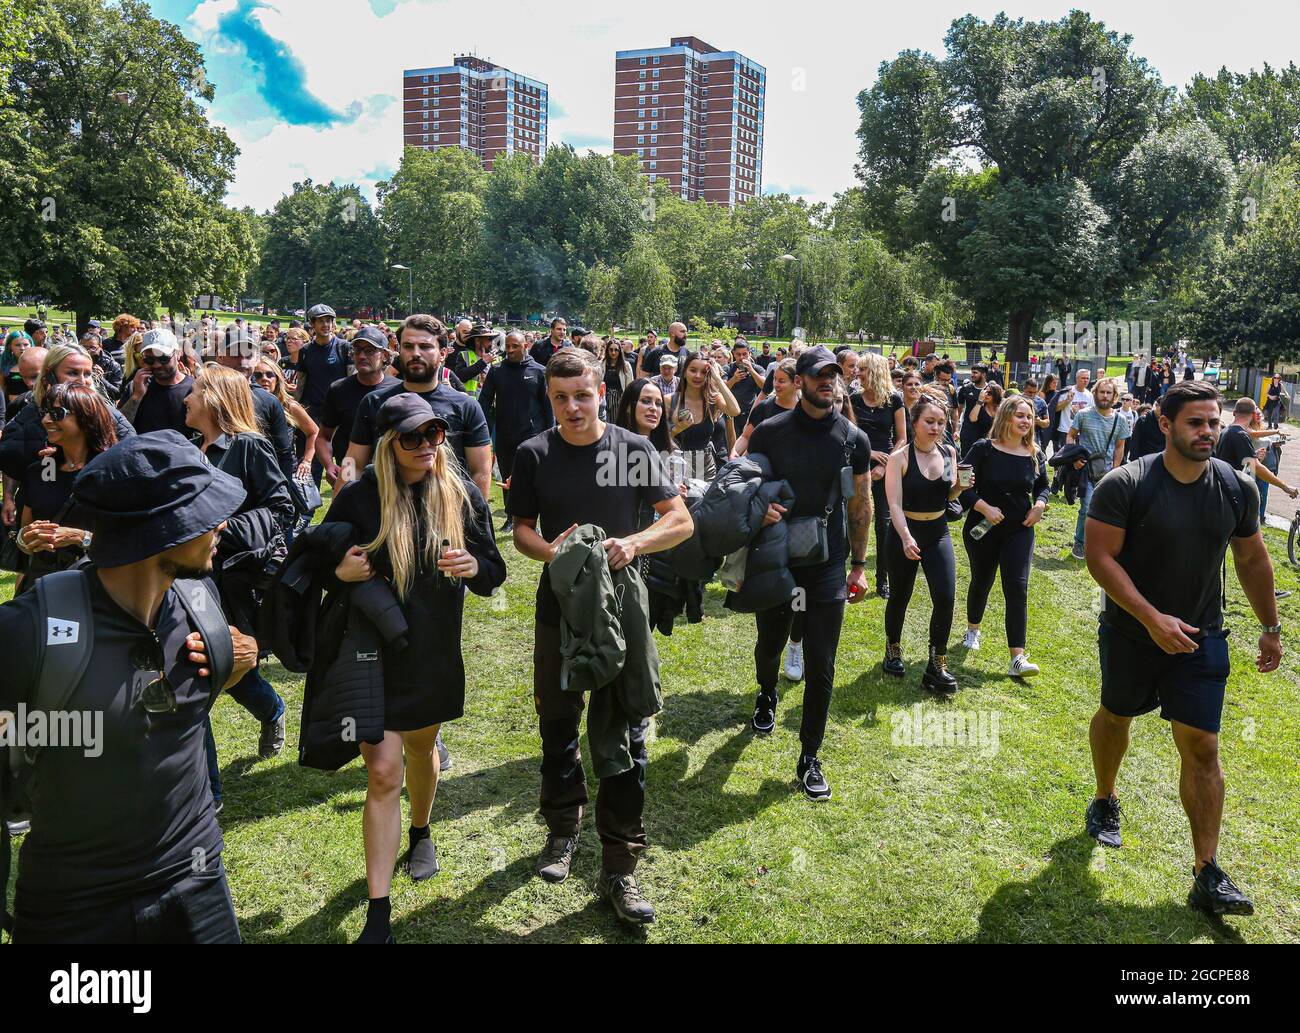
{"x":1002,"y":420}
{"x":873,"y":372}
{"x":280,"y":388}
{"x":131,"y":356}
{"x":229,"y":399}
{"x":443,"y":500}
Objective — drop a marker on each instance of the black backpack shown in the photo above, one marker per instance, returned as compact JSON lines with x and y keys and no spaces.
{"x":64,"y":611}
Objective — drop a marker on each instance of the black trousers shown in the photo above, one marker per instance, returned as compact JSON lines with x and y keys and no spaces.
{"x":620,"y":801}
{"x":822,"y":623}
{"x":940,"y":567}
{"x":880,"y":518}
{"x":197,"y":909}
{"x":1010,"y":552}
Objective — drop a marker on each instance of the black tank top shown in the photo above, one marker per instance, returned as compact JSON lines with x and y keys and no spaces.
{"x":920,"y":494}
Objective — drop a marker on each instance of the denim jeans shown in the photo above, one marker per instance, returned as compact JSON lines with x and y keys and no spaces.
{"x":256,"y":695}
{"x":1084,"y":498}
{"x":1263,"y":499}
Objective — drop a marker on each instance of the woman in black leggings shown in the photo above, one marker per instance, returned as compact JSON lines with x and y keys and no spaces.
{"x":920,"y":480}
{"x":879,"y":411}
{"x":1006,"y":501}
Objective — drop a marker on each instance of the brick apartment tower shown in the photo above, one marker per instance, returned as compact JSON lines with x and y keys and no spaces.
{"x":693,"y":115}
{"x":476,"y":105}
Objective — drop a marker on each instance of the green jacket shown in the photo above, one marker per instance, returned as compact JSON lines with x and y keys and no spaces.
{"x":606,"y":645}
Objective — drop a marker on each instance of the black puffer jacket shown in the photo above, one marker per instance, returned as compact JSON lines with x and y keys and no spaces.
{"x":732,"y":510}
{"x":768,"y":582}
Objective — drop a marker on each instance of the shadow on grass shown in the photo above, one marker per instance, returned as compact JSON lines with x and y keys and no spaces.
{"x":1063,"y":904}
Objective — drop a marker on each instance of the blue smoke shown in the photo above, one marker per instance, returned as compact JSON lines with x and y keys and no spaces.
{"x":280,"y":75}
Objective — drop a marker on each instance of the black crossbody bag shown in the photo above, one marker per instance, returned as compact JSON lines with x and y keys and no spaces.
{"x":1099,"y":463}
{"x":808,"y":537}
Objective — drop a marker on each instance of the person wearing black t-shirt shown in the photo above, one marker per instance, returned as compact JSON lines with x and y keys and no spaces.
{"x":338,"y":412}
{"x":124,"y":845}
{"x":881,"y":415}
{"x":558,"y":484}
{"x":977,"y":420}
{"x":542,"y":351}
{"x":652,"y":353}
{"x":1006,"y":501}
{"x":515,"y":406}
{"x":156,"y":395}
{"x":1236,"y":446}
{"x":744,"y":379}
{"x":320,"y":362}
{"x":785,"y":395}
{"x":809,"y":447}
{"x":1162,"y":641}
{"x":422,"y":339}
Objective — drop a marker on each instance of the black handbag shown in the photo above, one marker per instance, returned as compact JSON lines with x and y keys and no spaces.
{"x":1099,"y":463}
{"x":808,"y":538}
{"x":12,"y":558}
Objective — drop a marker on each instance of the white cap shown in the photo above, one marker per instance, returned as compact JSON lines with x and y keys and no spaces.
{"x":163,"y":341}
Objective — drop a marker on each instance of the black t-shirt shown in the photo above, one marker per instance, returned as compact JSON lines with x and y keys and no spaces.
{"x":138,"y":814}
{"x":808,"y":453}
{"x":744,"y":390}
{"x":653,"y":355}
{"x":1235,"y":446}
{"x":162,"y":408}
{"x":764,"y":360}
{"x":47,"y":496}
{"x":877,"y":421}
{"x":466,"y":427}
{"x":1012,"y":483}
{"x":975,"y":425}
{"x":765,"y":409}
{"x":559,"y":485}
{"x":1198,"y":518}
{"x":322,"y":364}
{"x":339,"y":410}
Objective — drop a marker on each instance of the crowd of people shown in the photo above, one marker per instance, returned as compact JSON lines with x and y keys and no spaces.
{"x":158,"y":474}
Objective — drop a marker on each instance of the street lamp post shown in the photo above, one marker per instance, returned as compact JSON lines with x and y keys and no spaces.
{"x":304,"y":299}
{"x":410,"y":287}
{"x":798,"y":297}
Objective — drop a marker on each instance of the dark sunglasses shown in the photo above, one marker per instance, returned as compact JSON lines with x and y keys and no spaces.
{"x":413,"y":439}
{"x":262,"y":374}
{"x":157,"y":696}
{"x":57,"y":413}
{"x":154,"y":360}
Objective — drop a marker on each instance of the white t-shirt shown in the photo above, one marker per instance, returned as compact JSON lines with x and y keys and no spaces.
{"x":1079,"y":401}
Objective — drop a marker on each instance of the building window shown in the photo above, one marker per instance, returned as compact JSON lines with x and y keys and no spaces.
{"x":656,"y":60}
{"x":643,"y":75}
{"x":643,"y":60}
{"x":656,"y":73}
{"x":424,"y":78}
{"x":654,"y":139}
{"x":426,"y":103}
{"x":640,"y":139}
{"x":640,"y":125}
{"x":641,"y":88}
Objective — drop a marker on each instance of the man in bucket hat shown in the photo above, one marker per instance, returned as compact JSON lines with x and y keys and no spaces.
{"x":125,"y":845}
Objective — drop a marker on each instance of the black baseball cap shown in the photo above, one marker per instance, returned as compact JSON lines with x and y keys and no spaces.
{"x":372,"y":335}
{"x":406,"y":411}
{"x":577,"y":331}
{"x":812,"y":361}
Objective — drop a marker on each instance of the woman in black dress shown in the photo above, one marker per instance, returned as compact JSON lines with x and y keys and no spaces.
{"x":700,"y":407}
{"x":422,"y":525}
{"x":618,"y":375}
{"x":882,"y":416}
{"x":79,"y":424}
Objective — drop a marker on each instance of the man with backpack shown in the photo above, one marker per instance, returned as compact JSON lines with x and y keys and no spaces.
{"x":1162,"y":642}
{"x":1102,"y":431}
{"x":124,"y":844}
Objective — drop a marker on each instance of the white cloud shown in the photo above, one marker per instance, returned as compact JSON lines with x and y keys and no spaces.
{"x":818,"y":55}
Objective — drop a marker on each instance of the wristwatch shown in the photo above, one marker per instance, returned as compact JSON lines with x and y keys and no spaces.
{"x":1273,"y":629}
{"x":85,"y":540}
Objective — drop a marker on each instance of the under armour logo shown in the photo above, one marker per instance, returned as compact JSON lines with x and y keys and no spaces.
{"x":61,"y":632}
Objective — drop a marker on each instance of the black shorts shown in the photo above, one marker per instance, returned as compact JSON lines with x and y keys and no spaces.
{"x":1138,"y":677}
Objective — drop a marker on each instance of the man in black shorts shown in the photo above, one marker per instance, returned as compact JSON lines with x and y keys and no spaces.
{"x":561,"y":480}
{"x":1162,"y":641}
{"x":809,"y":446}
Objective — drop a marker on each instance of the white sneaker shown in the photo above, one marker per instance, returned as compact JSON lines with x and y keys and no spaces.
{"x":972,"y":639}
{"x":794,"y":661}
{"x":1021,"y":667}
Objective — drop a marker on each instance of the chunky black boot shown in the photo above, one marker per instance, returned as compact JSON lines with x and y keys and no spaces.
{"x":894,"y":659}
{"x":936,"y":677}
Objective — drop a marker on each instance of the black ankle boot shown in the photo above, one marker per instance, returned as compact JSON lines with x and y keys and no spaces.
{"x":894,"y":659}
{"x":937,"y":677}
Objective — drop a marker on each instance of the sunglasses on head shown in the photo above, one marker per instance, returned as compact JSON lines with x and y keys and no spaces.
{"x":154,"y":359}
{"x":57,"y":413}
{"x":413,"y":439}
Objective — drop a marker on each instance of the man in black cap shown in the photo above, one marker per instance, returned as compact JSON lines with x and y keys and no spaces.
{"x":421,"y":340}
{"x":576,"y":334}
{"x":811,"y":446}
{"x":323,"y":360}
{"x":370,"y":355}
{"x":477,"y":345}
{"x":125,"y":846}
{"x":36,"y":331}
{"x":515,"y":406}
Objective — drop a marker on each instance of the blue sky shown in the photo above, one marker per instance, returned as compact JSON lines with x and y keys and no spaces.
{"x":311,"y":87}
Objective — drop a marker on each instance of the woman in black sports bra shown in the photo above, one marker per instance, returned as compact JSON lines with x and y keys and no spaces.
{"x":920,"y":479}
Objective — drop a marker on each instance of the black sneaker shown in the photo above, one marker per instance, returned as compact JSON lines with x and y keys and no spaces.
{"x":764,"y":719}
{"x":508,"y":527}
{"x":882,"y":590}
{"x":422,"y":860}
{"x":271,"y":741}
{"x":626,"y":898}
{"x":444,"y":755}
{"x":554,"y":861}
{"x":1103,"y":821}
{"x":1214,"y":893}
{"x":815,"y":786}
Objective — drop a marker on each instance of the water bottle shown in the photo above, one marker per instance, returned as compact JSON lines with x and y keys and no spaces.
{"x":980,"y":530}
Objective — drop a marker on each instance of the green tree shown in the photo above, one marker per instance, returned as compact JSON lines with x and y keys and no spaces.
{"x":1256,"y":114}
{"x":1077,"y":144}
{"x":645,"y":296}
{"x":122,"y":172}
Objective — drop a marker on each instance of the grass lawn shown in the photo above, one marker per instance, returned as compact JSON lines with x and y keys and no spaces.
{"x":946,"y":843}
